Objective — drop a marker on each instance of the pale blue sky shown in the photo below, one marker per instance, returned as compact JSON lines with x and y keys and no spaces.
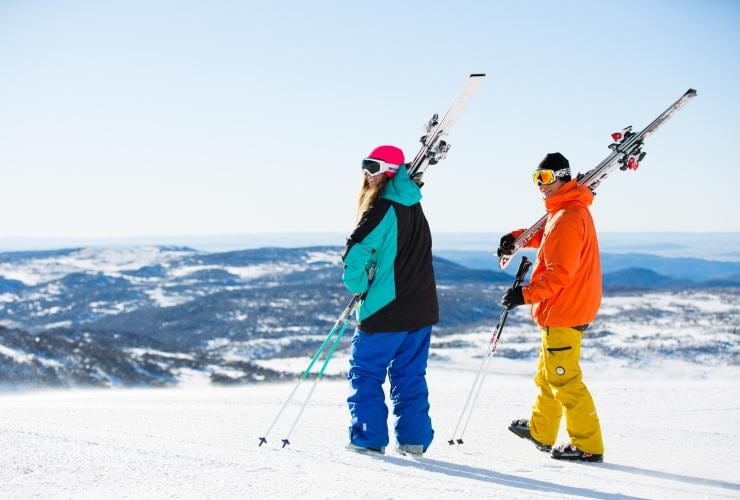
{"x":135,"y":118}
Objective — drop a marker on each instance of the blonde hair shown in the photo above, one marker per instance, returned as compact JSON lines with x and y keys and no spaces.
{"x":368,"y":195}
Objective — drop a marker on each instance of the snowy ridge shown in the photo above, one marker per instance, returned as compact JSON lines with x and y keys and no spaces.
{"x":164,"y":316}
{"x":34,"y":268}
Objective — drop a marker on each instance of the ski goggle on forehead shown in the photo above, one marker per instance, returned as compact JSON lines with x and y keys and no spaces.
{"x":548,"y":176}
{"x":374,"y":167}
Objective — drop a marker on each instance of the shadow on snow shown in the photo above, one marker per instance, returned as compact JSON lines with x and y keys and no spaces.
{"x":499,"y":478}
{"x":671,"y":477}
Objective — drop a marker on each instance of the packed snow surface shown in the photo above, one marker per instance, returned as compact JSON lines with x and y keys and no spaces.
{"x":666,"y":436}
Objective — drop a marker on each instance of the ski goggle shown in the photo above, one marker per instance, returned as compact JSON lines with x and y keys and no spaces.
{"x":373,"y":167}
{"x":548,"y":176}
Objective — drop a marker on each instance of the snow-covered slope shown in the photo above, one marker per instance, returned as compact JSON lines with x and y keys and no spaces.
{"x":665,"y":437}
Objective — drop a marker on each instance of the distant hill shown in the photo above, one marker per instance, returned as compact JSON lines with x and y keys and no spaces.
{"x":146,"y":316}
{"x":636,"y":277}
{"x":153,"y":315}
{"x":676,"y":267}
{"x":10,"y":285}
{"x":69,"y":357}
{"x":679,"y":268}
{"x":446,"y":269}
{"x":190,"y":298}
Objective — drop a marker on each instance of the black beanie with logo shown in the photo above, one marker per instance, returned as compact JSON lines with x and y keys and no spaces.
{"x":556,"y":161}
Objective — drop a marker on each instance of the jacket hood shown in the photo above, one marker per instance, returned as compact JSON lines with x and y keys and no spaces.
{"x":401,"y":189}
{"x":570,"y":194}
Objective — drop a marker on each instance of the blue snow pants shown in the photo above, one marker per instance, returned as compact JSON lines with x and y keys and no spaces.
{"x":403,"y":356}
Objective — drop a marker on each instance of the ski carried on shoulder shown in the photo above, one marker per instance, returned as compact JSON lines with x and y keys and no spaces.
{"x":626,"y":152}
{"x":434,"y":146}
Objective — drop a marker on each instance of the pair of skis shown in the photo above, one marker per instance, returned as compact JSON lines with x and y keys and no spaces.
{"x":626,"y":153}
{"x":434,"y":145}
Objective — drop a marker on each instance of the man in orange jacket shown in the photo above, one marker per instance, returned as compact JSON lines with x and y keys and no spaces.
{"x":565,"y":293}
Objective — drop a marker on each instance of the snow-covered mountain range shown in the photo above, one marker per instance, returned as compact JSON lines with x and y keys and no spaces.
{"x":160,"y":315}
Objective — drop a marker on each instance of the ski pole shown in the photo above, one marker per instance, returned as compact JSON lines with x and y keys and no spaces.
{"x":286,"y":440}
{"x":490,"y":351}
{"x":484,"y":372}
{"x":477,"y":384}
{"x":341,"y":320}
{"x":356,"y":299}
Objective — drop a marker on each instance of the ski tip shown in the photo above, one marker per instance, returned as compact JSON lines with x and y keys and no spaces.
{"x":262,"y":441}
{"x":477,"y":75}
{"x":691,"y":92}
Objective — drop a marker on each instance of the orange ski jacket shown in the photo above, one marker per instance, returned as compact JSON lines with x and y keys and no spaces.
{"x":565,"y":289}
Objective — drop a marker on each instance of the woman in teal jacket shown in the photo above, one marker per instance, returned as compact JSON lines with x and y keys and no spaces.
{"x":393,"y":244}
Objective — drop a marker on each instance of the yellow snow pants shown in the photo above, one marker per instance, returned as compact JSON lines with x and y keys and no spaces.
{"x":560,"y":383}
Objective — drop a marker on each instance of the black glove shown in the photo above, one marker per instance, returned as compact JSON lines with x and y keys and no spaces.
{"x":506,"y":245}
{"x":513,"y":297}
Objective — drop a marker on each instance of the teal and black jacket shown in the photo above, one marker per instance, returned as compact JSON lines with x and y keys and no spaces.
{"x":393,"y":236}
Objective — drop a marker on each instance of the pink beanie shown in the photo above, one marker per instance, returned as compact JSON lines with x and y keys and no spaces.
{"x":389,"y":154}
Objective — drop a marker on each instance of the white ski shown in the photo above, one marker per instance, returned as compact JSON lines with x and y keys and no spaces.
{"x":434,"y":147}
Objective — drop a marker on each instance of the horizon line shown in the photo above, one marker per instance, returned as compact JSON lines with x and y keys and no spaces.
{"x":316,"y":233}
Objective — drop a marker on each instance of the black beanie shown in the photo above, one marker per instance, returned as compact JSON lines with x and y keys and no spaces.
{"x":556,"y":161}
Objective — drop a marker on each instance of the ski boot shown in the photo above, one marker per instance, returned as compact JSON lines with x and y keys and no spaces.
{"x":366,"y":451}
{"x":412,"y":450}
{"x":521,"y":428}
{"x":567,"y":451}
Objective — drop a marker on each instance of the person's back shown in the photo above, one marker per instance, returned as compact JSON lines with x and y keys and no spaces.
{"x":403,"y":295}
{"x":392,"y":243}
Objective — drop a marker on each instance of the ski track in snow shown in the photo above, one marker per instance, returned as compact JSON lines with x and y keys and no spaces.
{"x":665,"y":437}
